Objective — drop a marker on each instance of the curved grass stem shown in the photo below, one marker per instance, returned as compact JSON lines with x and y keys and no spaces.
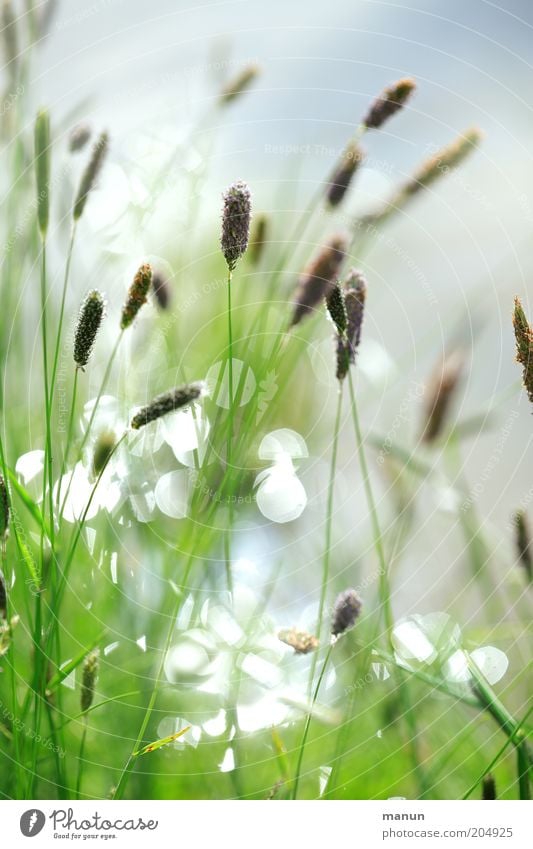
{"x":329,"y":523}
{"x":308,"y":719}
{"x":227,"y":535}
{"x":86,"y":435}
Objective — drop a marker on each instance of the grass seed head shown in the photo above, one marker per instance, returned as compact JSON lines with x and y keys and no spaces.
{"x":345,"y":612}
{"x":443,"y":161}
{"x":489,"y":787}
{"x":4,"y":509}
{"x":103,"y":449}
{"x":78,"y":137}
{"x":239,"y":83}
{"x":236,"y":215}
{"x":355,"y":289}
{"x":441,"y":390}
{"x":90,"y":318}
{"x":523,"y":542}
{"x":343,"y":174}
{"x":258,"y":238}
{"x":440,"y":164}
{"x":336,"y":307}
{"x":42,"y":169}
{"x":390,"y":101}
{"x":90,"y":175}
{"x":167,"y":403}
{"x":300,"y":641}
{"x":524,"y":346}
{"x":3,"y":596}
{"x":319,"y":277}
{"x":88,"y":680}
{"x":161,"y":290}
{"x":10,"y":36}
{"x":137,"y":295}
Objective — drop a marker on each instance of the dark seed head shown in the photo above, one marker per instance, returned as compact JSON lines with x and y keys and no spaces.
{"x":336,"y":306}
{"x":523,"y":542}
{"x":346,"y":610}
{"x":489,"y":787}
{"x":354,"y":291}
{"x":137,"y":295}
{"x":442,"y":162}
{"x":90,"y":175}
{"x":90,"y":318}
{"x":236,"y":215}
{"x":4,"y":509}
{"x":442,"y":387}
{"x":103,"y":449}
{"x":167,"y":403}
{"x":524,"y":346}
{"x":258,"y":238}
{"x":3,"y":597}
{"x":344,"y":172}
{"x":438,"y":165}
{"x":319,"y":277}
{"x":161,"y":290}
{"x":238,"y":84}
{"x":88,"y":680}
{"x":78,"y":138}
{"x":392,"y":99}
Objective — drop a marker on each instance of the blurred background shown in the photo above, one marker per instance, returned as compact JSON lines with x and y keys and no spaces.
{"x":441,"y":275}
{"x":450,"y":267}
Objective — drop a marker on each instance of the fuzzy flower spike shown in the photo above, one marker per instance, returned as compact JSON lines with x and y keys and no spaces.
{"x":441,"y":391}
{"x":524,"y":346}
{"x":318,"y":278}
{"x":345,"y":612}
{"x":236,"y":214}
{"x":346,"y":305}
{"x":4,"y":509}
{"x":167,"y":403}
{"x":89,"y":321}
{"x":88,"y":680}
{"x":240,"y":83}
{"x":390,"y":101}
{"x":90,"y":175}
{"x":137,"y":295}
{"x":343,"y":174}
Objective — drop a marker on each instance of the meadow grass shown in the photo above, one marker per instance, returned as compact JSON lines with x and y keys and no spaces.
{"x":97,"y":602}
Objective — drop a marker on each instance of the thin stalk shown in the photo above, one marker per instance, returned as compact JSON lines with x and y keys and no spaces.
{"x":62,"y":312}
{"x":385,"y":595}
{"x":77,"y":533}
{"x":48,"y":473}
{"x":384,"y":588}
{"x":329,"y":512}
{"x":38,"y":679}
{"x":80,"y":757}
{"x":227,"y":535}
{"x":70,"y":430}
{"x":329,"y":522}
{"x":37,"y":688}
{"x":495,"y":759}
{"x":101,"y":391}
{"x":308,"y":722}
{"x":119,"y":790}
{"x":56,"y":608}
{"x":507,"y":723}
{"x":523,"y":767}
{"x":10,"y":658}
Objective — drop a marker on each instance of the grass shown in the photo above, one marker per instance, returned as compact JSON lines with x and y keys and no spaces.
{"x":142,"y":590}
